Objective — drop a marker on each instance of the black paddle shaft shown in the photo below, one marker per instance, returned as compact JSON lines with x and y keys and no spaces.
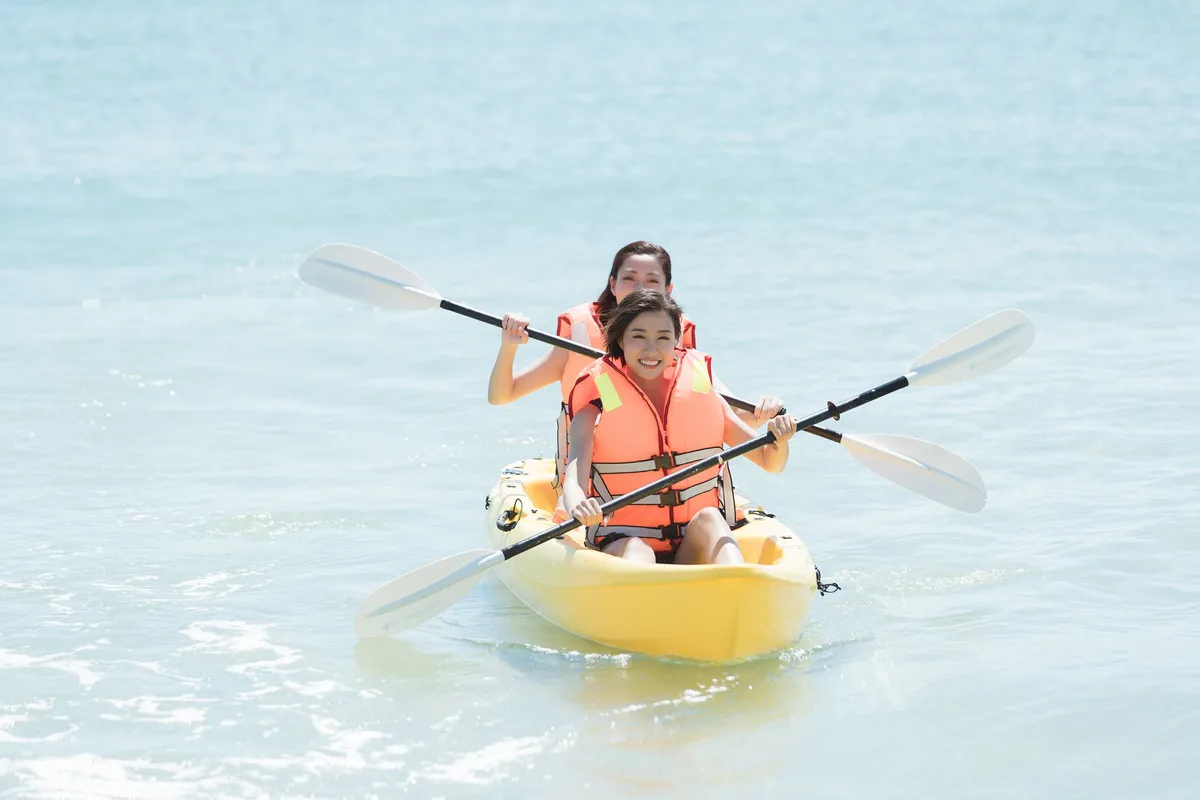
{"x":557,"y":341}
{"x":831,"y":410}
{"x":565,"y":344}
{"x":584,"y":350}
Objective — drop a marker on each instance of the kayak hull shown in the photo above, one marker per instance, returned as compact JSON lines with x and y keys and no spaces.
{"x":700,"y":613}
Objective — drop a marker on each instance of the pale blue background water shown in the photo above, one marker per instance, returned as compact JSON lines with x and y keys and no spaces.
{"x":207,"y":465}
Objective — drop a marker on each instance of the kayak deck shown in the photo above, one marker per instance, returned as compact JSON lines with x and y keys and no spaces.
{"x":700,"y":612}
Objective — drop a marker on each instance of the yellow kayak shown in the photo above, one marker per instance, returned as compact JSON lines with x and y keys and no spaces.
{"x":702,"y":613}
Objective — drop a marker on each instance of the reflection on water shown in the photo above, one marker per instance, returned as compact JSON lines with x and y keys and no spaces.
{"x":612,"y":684}
{"x":411,"y":661}
{"x":645,"y":713}
{"x":639,"y":712}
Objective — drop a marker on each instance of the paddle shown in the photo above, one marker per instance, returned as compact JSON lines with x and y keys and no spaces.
{"x":373,"y":278}
{"x":985,"y":346}
{"x":369,"y":277}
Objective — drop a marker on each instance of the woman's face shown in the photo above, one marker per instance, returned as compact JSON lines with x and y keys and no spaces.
{"x":649,"y":343}
{"x":639,"y":272}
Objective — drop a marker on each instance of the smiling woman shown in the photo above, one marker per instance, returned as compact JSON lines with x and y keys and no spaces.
{"x":636,"y":266}
{"x":638,"y":412}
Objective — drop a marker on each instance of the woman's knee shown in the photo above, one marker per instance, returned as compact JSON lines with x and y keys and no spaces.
{"x":639,"y":550}
{"x":709,"y":541}
{"x":709,"y":518}
{"x":633,"y":549}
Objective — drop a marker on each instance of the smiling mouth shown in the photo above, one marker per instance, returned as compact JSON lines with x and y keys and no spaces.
{"x":650,"y":363}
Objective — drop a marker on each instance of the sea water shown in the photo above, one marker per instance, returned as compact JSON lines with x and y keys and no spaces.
{"x":207,"y":465}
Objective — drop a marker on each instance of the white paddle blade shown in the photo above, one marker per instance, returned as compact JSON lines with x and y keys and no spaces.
{"x":368,"y":277}
{"x":921,"y":467}
{"x":422,"y":594}
{"x":977,"y":350}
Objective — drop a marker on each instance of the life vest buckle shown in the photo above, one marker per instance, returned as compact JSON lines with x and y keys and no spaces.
{"x":672,"y":532}
{"x":669,"y":497}
{"x":664,"y":461}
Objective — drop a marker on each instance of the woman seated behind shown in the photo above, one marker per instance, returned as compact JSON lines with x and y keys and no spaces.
{"x":648,"y":408}
{"x":637,"y":265}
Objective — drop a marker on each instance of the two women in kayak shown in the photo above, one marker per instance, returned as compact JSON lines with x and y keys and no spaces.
{"x":650,"y":406}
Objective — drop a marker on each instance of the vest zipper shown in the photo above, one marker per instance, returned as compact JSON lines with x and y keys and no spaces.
{"x":662,"y":422}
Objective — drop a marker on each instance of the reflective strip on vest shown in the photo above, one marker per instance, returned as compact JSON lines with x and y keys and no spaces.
{"x":608,"y":393}
{"x":669,"y":461}
{"x":700,"y":381}
{"x":659,"y":499}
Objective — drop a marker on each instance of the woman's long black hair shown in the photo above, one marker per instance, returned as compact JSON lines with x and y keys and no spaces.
{"x":607,"y":301}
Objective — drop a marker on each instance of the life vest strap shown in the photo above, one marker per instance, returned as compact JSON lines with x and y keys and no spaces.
{"x":677,"y":497}
{"x":692,"y":456}
{"x":660,"y":462}
{"x":670,"y":497}
{"x":561,"y":449}
{"x":728,"y":498}
{"x":598,"y":532}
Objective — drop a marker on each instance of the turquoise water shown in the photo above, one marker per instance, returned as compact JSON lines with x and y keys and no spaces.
{"x":209,"y":465}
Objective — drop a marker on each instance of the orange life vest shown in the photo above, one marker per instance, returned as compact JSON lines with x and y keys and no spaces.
{"x":582,"y":324}
{"x":634,"y":446}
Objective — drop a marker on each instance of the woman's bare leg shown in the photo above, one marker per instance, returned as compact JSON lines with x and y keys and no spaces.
{"x":633,"y":549}
{"x":708,"y":540}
